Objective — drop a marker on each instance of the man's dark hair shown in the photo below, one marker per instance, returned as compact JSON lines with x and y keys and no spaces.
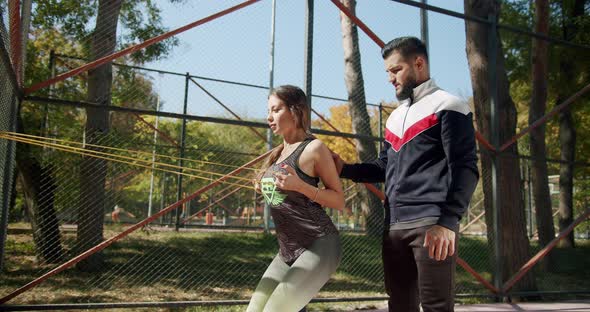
{"x":406,"y":47}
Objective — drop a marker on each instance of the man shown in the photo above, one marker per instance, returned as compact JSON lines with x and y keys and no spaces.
{"x":429,"y":166}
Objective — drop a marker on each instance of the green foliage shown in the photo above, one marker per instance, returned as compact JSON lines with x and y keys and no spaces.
{"x":38,"y":63}
{"x":143,"y":20}
{"x":70,"y":16}
{"x":340,"y":120}
{"x":517,"y":49}
{"x":65,"y":27}
{"x":140,"y":20}
{"x":581,"y":202}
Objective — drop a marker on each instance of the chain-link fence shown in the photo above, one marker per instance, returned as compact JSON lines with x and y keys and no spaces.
{"x":9,"y":101}
{"x":140,"y":189}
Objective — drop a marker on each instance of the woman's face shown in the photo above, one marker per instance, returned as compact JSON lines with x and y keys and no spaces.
{"x":280,"y":119}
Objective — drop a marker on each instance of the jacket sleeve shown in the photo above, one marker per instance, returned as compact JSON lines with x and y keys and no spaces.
{"x":369,"y":172}
{"x":458,"y":140}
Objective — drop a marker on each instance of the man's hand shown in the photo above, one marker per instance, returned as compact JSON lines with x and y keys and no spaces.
{"x":440,"y":242}
{"x":338,"y":161}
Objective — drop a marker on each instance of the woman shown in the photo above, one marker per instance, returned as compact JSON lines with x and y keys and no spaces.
{"x":309,"y":243}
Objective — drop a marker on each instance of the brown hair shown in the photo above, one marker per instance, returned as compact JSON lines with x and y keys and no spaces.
{"x":296,"y":101}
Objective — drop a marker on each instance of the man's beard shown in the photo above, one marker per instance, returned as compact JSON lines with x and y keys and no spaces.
{"x":407,"y":88}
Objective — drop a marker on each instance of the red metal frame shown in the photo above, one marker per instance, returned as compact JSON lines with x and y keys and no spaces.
{"x":134,"y":48}
{"x":129,"y":230}
{"x":479,"y":137}
{"x":15,"y":38}
{"x":226,"y":108}
{"x":216,"y":201}
{"x":380,"y":43}
{"x":164,"y":135}
{"x":14,"y":7}
{"x":359,"y":23}
{"x":541,"y":120}
{"x":477,"y":276}
{"x":541,"y":254}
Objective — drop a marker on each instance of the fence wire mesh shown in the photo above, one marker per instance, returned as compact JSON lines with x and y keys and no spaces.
{"x":88,"y":174}
{"x":9,"y":102}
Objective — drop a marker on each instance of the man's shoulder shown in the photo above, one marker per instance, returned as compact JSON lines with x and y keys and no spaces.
{"x":446,"y":101}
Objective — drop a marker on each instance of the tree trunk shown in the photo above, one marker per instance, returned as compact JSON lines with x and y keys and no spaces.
{"x":371,"y":205}
{"x":567,"y":140}
{"x":39,"y":193}
{"x":93,"y":171}
{"x":567,"y":130}
{"x":542,"y":198}
{"x":514,"y":242}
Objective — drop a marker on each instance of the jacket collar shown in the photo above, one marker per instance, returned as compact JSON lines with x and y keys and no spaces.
{"x":424,"y":89}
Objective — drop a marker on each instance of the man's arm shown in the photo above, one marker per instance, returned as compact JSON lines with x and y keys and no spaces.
{"x":458,"y":139}
{"x":369,"y":172}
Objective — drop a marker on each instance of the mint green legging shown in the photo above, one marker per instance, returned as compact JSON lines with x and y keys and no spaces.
{"x":283,"y":288}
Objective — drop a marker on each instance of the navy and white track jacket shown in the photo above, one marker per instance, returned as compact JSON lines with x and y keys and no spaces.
{"x":428,"y":161}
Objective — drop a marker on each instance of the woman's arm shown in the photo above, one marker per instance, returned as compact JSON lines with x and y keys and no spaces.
{"x":332,"y":195}
{"x":324,"y":167}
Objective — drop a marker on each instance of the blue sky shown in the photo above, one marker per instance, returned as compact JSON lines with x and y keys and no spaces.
{"x":237,"y":47}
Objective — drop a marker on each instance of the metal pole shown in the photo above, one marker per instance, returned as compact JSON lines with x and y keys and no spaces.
{"x":15,"y":38}
{"x":45,"y":123}
{"x":182,"y":145}
{"x":45,"y":126}
{"x":26,"y":8}
{"x":163,"y":196}
{"x":530,"y":201}
{"x":10,"y":152}
{"x":493,"y":85}
{"x":266,"y":214}
{"x":188,"y":117}
{"x":8,"y":179}
{"x":424,"y":25}
{"x":254,"y":213}
{"x":150,"y":201}
{"x":271,"y":86}
{"x":272,"y":45}
{"x":308,"y":52}
{"x":380,"y":127}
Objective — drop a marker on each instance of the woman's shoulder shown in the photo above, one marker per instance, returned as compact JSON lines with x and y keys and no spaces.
{"x":316,"y":147}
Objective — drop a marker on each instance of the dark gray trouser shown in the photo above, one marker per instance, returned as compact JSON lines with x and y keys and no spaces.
{"x":412,"y":278}
{"x":290,"y":288}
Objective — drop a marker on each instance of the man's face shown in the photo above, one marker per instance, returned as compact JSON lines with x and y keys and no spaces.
{"x":401,"y":74}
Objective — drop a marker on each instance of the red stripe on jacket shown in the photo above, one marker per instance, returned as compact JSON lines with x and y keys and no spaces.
{"x":417,"y":128}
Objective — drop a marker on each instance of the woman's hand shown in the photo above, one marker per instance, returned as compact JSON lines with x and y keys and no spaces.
{"x":289,"y":181}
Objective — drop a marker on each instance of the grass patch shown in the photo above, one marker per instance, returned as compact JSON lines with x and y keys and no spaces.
{"x":206,"y":265}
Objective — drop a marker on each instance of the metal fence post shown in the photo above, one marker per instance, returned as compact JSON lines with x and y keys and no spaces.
{"x":424,"y":26}
{"x":45,"y":125}
{"x":11,"y":97}
{"x":151,"y":194}
{"x":380,"y":145}
{"x":181,"y":154}
{"x":266,"y":213}
{"x":308,"y":52}
{"x":9,"y":171}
